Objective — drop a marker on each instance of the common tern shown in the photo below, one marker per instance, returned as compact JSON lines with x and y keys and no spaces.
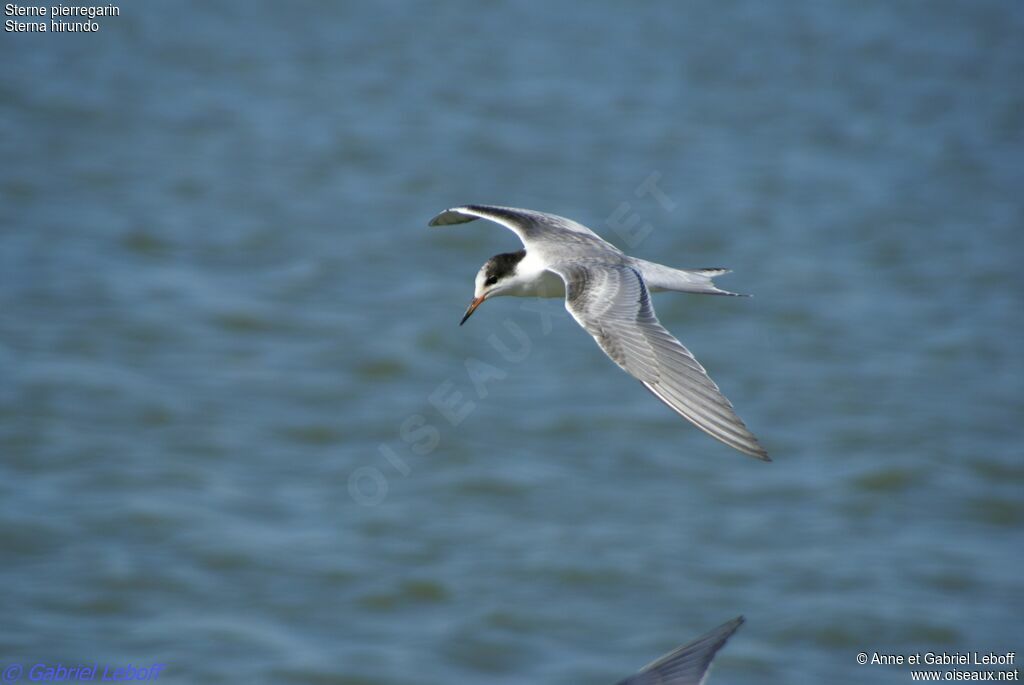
{"x":608,"y":293}
{"x":686,"y":665}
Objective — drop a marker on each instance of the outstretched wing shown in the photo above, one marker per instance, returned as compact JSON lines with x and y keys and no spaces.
{"x":689,"y":664}
{"x":612,"y":303}
{"x":530,"y":226}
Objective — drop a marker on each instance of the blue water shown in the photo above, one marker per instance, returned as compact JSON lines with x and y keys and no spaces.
{"x":223,"y":320}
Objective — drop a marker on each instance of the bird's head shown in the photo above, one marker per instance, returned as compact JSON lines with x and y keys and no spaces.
{"x":498,"y":276}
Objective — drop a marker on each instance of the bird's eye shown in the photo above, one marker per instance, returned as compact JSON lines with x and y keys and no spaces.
{"x":491,"y":280}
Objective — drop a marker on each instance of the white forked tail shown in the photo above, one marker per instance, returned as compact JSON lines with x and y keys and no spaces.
{"x":660,"y":277}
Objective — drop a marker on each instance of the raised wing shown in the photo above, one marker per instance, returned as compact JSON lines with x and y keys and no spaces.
{"x":689,"y":664}
{"x":530,"y":226}
{"x":611,"y":302}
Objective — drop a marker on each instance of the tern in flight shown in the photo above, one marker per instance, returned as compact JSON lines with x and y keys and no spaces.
{"x":608,"y":293}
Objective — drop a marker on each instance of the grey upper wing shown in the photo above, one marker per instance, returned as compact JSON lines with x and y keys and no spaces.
{"x":612,"y":303}
{"x":529,"y":225}
{"x":687,"y":665}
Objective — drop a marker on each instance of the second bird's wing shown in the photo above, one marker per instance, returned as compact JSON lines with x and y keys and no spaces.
{"x":612,"y":303}
{"x":689,"y":664}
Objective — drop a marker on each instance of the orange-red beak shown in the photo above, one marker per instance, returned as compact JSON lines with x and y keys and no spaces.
{"x":477,"y":301}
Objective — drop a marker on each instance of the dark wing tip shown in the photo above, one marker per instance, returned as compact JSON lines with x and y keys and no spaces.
{"x":755,"y":451}
{"x":453,"y":215}
{"x":688,"y":664}
{"x":724,"y":631}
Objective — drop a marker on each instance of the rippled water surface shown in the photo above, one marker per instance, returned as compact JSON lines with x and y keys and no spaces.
{"x":226,"y":336}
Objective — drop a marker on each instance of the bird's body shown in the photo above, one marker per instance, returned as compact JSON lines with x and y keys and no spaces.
{"x":607,"y":292}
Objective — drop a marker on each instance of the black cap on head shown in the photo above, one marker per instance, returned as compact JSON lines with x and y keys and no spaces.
{"x":501,"y":265}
